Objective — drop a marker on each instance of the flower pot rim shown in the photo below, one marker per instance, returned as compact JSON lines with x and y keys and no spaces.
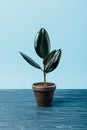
{"x":42,"y":84}
{"x":39,"y":86}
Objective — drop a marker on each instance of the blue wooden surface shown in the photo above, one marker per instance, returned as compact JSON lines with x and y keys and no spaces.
{"x":19,"y":111}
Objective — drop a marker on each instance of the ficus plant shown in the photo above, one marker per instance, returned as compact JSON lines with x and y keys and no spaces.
{"x":42,"y":47}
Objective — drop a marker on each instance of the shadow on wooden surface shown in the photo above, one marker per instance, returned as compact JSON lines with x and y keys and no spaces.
{"x":58,"y":102}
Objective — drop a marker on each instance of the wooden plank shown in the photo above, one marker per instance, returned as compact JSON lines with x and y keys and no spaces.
{"x":19,"y":111}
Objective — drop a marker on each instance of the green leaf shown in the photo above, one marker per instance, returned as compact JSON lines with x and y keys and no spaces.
{"x":30,"y":61}
{"x":42,"y":43}
{"x":53,"y":61}
{"x":48,"y":57}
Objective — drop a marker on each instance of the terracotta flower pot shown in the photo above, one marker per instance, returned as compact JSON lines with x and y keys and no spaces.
{"x":44,"y":93}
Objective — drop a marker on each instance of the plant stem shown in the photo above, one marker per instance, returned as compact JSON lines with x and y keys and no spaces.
{"x":44,"y":76}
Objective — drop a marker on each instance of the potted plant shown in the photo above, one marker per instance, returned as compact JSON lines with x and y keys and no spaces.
{"x":44,"y":91}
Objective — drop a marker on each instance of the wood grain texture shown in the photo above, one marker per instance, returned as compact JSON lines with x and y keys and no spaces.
{"x":19,"y":111}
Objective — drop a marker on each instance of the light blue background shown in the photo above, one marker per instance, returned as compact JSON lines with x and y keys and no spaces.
{"x":66,"y":23}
